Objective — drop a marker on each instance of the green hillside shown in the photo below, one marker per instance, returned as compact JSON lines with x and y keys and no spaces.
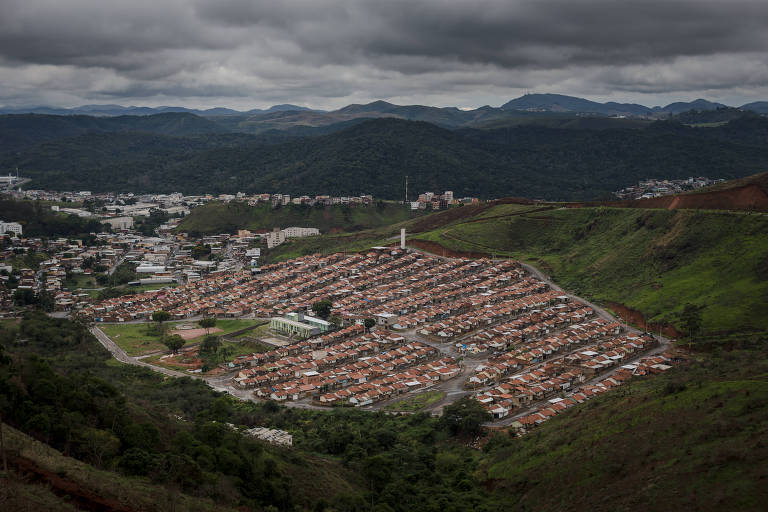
{"x":219,"y":217}
{"x":691,"y":439}
{"x":654,"y":261}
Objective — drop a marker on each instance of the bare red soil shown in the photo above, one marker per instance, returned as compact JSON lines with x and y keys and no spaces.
{"x":636,"y":317}
{"x":750,"y":197}
{"x":439,"y":250}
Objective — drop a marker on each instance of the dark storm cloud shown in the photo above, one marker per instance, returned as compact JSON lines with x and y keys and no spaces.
{"x":535,"y":33}
{"x":440,"y":50}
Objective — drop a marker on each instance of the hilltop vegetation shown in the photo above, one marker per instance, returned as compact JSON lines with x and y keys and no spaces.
{"x":576,"y":159}
{"x":228,"y":217}
{"x":20,"y":130}
{"x":38,"y":220}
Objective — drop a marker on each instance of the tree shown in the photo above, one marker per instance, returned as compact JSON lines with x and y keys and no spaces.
{"x":690,"y":319}
{"x":207,"y":323}
{"x":465,"y":417}
{"x":369,"y":323}
{"x":160,"y":317}
{"x":322,"y":308}
{"x":210,"y":344}
{"x":174,"y":343}
{"x":336,"y":320}
{"x":101,"y":444}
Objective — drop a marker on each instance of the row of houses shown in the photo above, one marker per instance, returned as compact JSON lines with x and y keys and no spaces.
{"x":359,"y":285}
{"x":525,"y":327}
{"x":533,"y":351}
{"x":557,"y":377}
{"x":391,"y":386}
{"x":646,"y":366}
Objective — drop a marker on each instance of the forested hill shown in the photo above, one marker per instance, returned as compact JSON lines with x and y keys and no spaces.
{"x":375,"y":156}
{"x":20,"y":130}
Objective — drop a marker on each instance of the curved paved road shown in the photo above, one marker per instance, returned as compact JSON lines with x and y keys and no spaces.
{"x":120,"y":354}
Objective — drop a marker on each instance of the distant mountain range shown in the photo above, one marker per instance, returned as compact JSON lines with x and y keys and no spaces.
{"x":548,"y":109}
{"x":118,"y":110}
{"x":532,"y":103}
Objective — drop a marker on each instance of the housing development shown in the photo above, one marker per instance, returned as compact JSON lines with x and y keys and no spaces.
{"x":404,"y":322}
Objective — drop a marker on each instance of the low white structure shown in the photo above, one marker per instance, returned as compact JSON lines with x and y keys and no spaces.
{"x":150,"y":269}
{"x":271,"y":435}
{"x":119,"y":222}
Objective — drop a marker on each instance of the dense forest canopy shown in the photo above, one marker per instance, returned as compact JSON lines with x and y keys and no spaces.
{"x":580,"y":160}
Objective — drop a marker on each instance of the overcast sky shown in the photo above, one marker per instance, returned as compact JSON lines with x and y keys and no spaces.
{"x":328,"y":53}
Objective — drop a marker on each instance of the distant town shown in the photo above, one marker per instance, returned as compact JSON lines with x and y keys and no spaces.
{"x":657,"y":188}
{"x":139,"y":247}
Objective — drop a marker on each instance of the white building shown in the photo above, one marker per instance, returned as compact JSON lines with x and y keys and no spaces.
{"x":275,"y":238}
{"x":10,"y":227}
{"x":119,"y":222}
{"x":296,"y":232}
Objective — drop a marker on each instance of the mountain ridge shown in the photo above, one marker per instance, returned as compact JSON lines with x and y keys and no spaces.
{"x":373,"y":156}
{"x":548,"y":102}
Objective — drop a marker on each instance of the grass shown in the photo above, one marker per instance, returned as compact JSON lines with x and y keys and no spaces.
{"x":137,"y":339}
{"x":219,"y":217}
{"x":416,"y":402}
{"x":9,"y":322}
{"x":30,"y":260}
{"x":77,"y":281}
{"x":226,"y":353}
{"x":691,"y":439}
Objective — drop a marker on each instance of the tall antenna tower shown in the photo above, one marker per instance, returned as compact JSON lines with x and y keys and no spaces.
{"x":406,"y":189}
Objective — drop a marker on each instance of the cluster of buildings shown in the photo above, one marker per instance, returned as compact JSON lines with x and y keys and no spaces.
{"x":430,"y":316}
{"x":360,"y":286}
{"x":439,"y":201}
{"x":120,"y":201}
{"x":551,"y":407}
{"x":277,"y":236}
{"x":657,"y":188}
{"x":550,"y":370}
{"x":346,"y":366}
{"x":285,"y":199}
{"x":65,"y":258}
